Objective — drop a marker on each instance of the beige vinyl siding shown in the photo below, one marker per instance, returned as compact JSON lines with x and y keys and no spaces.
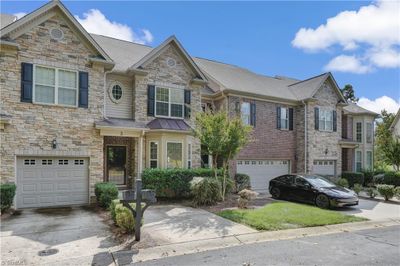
{"x":124,"y":107}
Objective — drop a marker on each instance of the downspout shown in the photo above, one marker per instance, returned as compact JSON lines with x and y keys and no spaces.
{"x":105,"y":92}
{"x":305,"y":137}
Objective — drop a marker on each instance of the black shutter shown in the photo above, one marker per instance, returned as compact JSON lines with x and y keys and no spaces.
{"x":151,"y":93}
{"x":26,"y":82}
{"x":188,"y":98}
{"x":290,"y":118}
{"x":278,"y":117}
{"x":334,"y":115}
{"x":316,"y":118}
{"x":83,"y":89}
{"x":253,"y":114}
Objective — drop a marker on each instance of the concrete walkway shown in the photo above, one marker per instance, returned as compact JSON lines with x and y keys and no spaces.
{"x":169,"y":224}
{"x":373,"y":210}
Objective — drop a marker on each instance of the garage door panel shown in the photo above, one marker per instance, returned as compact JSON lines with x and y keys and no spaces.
{"x":324,"y":167}
{"x":44,"y":182}
{"x":262,"y":171}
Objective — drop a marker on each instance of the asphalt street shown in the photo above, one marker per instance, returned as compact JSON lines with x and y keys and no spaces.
{"x":379,"y":246}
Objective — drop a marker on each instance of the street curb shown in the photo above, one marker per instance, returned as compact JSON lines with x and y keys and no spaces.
{"x":184,"y":248}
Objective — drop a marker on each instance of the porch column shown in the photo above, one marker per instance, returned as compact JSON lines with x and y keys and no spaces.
{"x":140,"y":155}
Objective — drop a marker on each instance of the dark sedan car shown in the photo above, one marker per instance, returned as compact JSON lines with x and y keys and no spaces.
{"x":312,"y":189}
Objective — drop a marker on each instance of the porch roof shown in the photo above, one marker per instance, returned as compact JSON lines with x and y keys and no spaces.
{"x":347,"y":143}
{"x":169,"y":124}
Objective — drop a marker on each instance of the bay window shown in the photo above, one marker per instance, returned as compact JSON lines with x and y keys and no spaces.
{"x":358,"y":161}
{"x":55,"y":86}
{"x":189,"y":162}
{"x":369,"y":160}
{"x":169,"y":102}
{"x":325,"y":120}
{"x":174,"y":155}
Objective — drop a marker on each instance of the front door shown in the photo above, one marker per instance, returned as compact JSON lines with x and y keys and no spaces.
{"x":116,"y":164}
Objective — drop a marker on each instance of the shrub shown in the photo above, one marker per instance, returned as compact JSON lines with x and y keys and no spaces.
{"x":7,"y":193}
{"x":368,"y":177}
{"x":113,"y":204}
{"x":388,"y":178}
{"x":371,"y":192}
{"x":245,"y":196}
{"x":353,"y":178}
{"x":357,"y":188}
{"x":206,"y":192}
{"x":173,"y":183}
{"x":242,"y":181}
{"x":124,"y":217}
{"x":343,"y":182}
{"x":397,"y":192}
{"x":386,"y":191}
{"x":105,"y":193}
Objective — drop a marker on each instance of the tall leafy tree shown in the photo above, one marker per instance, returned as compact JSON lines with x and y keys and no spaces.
{"x":385,"y":144}
{"x":349,"y":94}
{"x":223,"y":138}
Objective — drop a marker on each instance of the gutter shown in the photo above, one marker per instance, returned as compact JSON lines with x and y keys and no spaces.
{"x":305,"y":137}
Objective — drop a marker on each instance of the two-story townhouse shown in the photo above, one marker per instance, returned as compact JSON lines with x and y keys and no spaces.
{"x":80,"y":108}
{"x":357,"y":138}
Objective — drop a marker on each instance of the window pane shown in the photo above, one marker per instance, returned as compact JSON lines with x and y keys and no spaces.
{"x":67,"y":96}
{"x":245,"y":111}
{"x":177,"y":110}
{"x":322,"y":124}
{"x":284,"y":123}
{"x":329,"y":125}
{"x":162,"y":94}
{"x":45,"y":76}
{"x":153,"y":150}
{"x":174,"y":155}
{"x":177,"y":95}
{"x":67,"y":79}
{"x":44,"y":94}
{"x":162,"y":108}
{"x":153,"y":164}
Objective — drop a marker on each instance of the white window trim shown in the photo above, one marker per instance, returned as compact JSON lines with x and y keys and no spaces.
{"x":243,"y":115}
{"x":189,"y":154}
{"x":169,"y":103}
{"x":166,"y":152}
{"x":287,"y":118}
{"x":56,"y":69}
{"x":110,"y":92}
{"x":157,"y":160}
{"x":325,"y":121}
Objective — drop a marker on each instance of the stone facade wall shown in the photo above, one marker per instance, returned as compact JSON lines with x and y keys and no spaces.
{"x":321,"y":141}
{"x":34,"y":126}
{"x":179,"y":76}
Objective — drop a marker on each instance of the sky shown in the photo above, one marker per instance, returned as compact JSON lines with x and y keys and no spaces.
{"x":358,"y":41}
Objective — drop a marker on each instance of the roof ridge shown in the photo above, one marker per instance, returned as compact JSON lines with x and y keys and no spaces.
{"x":135,"y":43}
{"x":309,"y":78}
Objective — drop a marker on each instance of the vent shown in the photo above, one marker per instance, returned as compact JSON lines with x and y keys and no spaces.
{"x":171,"y":62}
{"x":56,"y":34}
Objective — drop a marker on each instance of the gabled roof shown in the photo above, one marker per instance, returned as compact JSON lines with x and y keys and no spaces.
{"x":306,"y":89}
{"x":158,"y":50}
{"x":54,"y":4}
{"x":396,"y":120}
{"x":355,"y":109}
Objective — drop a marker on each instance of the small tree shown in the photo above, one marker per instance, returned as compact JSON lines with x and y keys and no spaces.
{"x":349,"y":94}
{"x":385,"y":145}
{"x":392,"y":153}
{"x":223,"y":137}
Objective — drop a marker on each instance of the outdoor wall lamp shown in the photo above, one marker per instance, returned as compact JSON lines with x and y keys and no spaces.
{"x":326,"y":151}
{"x":54,"y":144}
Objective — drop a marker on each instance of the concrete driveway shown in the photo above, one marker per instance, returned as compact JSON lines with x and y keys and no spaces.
{"x":65,"y":236}
{"x":167,"y":224}
{"x":374,"y":210}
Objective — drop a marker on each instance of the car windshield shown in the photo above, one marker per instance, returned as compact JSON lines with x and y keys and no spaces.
{"x":319,"y":182}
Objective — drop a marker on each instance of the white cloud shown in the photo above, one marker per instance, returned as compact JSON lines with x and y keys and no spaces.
{"x":379,"y":104}
{"x":373,"y":32}
{"x":95,"y":22}
{"x":19,"y":14}
{"x":345,"y":63}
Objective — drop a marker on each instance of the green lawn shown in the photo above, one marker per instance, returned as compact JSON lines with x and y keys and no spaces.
{"x":285,"y":215}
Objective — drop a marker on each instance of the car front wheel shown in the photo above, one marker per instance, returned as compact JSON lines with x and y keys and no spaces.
{"x":322,"y":201}
{"x":275,"y":192}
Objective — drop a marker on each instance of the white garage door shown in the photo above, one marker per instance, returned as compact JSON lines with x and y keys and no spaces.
{"x":46,"y":182}
{"x":262,"y":171}
{"x":324,"y":167}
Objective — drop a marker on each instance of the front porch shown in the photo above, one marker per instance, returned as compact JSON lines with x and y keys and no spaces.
{"x":348,"y":154}
{"x":129,"y":147}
